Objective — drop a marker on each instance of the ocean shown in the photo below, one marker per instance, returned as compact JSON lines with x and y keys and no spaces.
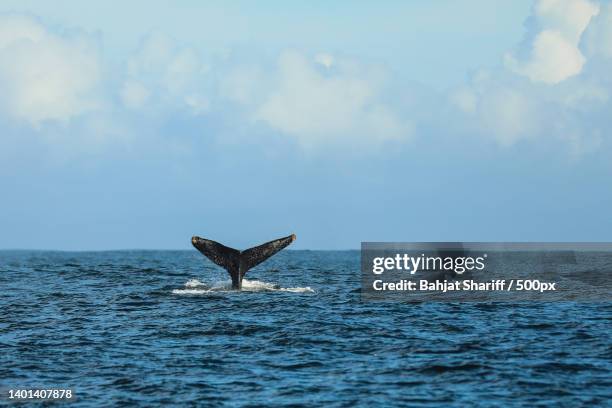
{"x":153,"y":328}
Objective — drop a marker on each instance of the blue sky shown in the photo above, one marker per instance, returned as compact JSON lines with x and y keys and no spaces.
{"x":346,"y":122}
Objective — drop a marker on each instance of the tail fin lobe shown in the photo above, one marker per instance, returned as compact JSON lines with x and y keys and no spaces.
{"x":226,"y":257}
{"x":256,"y":255}
{"x":237,"y":263}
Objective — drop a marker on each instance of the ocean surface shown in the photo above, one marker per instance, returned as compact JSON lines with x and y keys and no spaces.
{"x":152,"y":328}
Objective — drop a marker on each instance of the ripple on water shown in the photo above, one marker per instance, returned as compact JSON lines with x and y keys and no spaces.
{"x":154,"y":328}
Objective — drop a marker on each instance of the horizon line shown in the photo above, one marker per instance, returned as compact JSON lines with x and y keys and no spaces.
{"x":144,"y":250}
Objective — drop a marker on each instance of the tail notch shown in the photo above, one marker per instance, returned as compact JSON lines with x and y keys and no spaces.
{"x":236,"y":262}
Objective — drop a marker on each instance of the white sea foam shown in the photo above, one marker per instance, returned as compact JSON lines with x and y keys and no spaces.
{"x":195,"y":287}
{"x":194,"y":283}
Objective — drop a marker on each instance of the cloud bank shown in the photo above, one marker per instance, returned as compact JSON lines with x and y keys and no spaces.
{"x":162,"y":74}
{"x":553,"y":53}
{"x":46,"y":75}
{"x":554,"y":85}
{"x":321,"y":98}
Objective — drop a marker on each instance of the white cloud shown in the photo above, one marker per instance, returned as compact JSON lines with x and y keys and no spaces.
{"x":197,"y":103}
{"x":553,"y":54}
{"x":499,"y":108}
{"x":568,"y":17}
{"x":327,"y":60}
{"x":508,"y":114}
{"x":552,"y":89}
{"x":555,"y":85}
{"x":161,"y":74}
{"x":317,"y":107}
{"x":553,"y":59}
{"x":244,"y":85}
{"x":44,"y":75}
{"x":465,"y":99}
{"x":134,"y":94}
{"x":597,"y":39}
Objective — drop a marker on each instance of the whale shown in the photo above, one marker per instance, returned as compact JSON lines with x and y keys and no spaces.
{"x":237,"y":262}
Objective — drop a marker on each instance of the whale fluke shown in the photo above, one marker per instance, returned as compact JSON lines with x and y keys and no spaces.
{"x":236,"y":262}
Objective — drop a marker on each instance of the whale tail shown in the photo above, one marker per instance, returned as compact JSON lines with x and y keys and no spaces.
{"x":236,"y":262}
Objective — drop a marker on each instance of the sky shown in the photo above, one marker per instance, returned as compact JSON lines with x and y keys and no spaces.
{"x":140,"y":126}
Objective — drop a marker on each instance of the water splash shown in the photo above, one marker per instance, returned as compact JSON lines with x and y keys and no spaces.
{"x":196,"y":287}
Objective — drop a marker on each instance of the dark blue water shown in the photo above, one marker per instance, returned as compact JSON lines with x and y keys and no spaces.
{"x":158,"y":328}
